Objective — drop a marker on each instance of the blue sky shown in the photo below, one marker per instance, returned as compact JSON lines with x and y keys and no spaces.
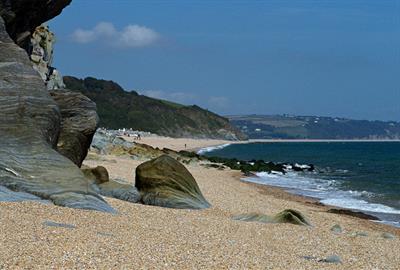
{"x":330,"y":58}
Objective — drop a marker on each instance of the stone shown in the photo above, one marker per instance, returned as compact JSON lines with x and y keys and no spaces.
{"x":98,"y":174}
{"x":336,"y":228}
{"x":30,"y":122}
{"x":60,"y":225}
{"x":387,"y":235}
{"x":286,"y":216}
{"x":7,"y":195}
{"x":355,"y":234}
{"x":310,"y":258}
{"x":332,"y":259}
{"x":291,"y":216}
{"x":165,"y":182}
{"x":121,"y":191}
{"x":78,"y":125}
{"x":106,"y":143}
{"x":99,"y":179}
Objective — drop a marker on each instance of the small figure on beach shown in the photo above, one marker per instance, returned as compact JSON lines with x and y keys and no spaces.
{"x":185,"y":145}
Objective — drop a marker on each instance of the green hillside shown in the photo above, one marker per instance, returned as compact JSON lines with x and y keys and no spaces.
{"x":313,"y":127}
{"x":118,"y":108}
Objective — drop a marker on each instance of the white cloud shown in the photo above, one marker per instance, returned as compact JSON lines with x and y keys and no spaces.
{"x":130,"y":36}
{"x":180,"y":97}
{"x":154,"y":94}
{"x":218,"y":102}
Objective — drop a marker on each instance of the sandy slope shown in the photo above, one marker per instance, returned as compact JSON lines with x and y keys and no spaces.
{"x":148,"y":237}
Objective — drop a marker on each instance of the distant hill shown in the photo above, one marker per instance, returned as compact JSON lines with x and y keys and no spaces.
{"x":118,"y":108}
{"x":313,"y":127}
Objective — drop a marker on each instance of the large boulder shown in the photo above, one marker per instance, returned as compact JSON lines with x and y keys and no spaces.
{"x":106,"y":143}
{"x":165,"y":182}
{"x":78,"y":125}
{"x":30,"y":123}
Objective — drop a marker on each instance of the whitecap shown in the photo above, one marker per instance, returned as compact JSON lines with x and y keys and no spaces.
{"x":208,"y":149}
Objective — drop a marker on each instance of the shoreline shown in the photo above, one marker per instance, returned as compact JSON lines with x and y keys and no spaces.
{"x":316,"y":200}
{"x":281,"y":193}
{"x":163,"y":238}
{"x":320,"y":140}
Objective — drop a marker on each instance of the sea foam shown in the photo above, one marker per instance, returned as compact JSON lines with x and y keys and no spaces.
{"x":328,"y":192}
{"x":204,"y":150}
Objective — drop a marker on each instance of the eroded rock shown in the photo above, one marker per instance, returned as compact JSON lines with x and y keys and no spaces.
{"x":165,"y":182}
{"x":22,"y":17}
{"x":41,"y":55}
{"x":121,"y":191}
{"x":98,"y":175}
{"x":286,"y":216}
{"x":29,"y":128}
{"x":78,"y":125}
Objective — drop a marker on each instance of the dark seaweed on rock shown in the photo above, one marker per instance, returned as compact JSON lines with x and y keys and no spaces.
{"x":352,"y":213}
{"x":236,"y":164}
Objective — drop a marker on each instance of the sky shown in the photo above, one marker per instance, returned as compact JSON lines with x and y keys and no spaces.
{"x":327,"y":58}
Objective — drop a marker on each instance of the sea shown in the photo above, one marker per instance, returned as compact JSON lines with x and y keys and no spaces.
{"x":362,"y":176}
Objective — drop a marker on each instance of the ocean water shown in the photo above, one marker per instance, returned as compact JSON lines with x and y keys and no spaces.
{"x":363,"y":176}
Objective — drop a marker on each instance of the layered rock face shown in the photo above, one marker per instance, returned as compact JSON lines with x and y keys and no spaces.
{"x":78,"y":125}
{"x":41,"y":55}
{"x":30,"y":119}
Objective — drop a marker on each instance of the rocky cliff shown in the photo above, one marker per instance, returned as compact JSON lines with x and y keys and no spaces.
{"x":31,"y":120}
{"x":45,"y":135}
{"x":118,"y":108}
{"x":21,"y":17}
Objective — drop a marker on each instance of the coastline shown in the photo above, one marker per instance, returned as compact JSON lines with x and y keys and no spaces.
{"x":281,"y":193}
{"x":385,"y":213}
{"x":163,"y":238}
{"x":196,"y":145}
{"x":319,"y":140}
